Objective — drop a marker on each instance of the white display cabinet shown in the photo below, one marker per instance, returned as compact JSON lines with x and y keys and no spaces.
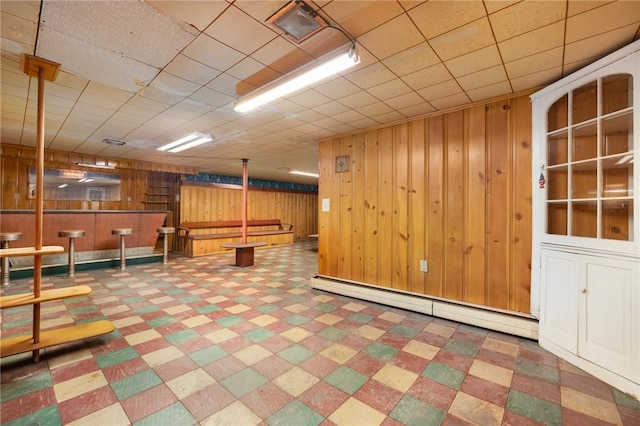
{"x":586,"y":227}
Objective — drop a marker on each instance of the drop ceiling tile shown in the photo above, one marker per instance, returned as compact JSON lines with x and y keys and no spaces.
{"x":99,"y":111}
{"x":602,"y":19}
{"x":496,"y":5}
{"x":173,"y":86}
{"x":535,"y":63}
{"x":69,"y":80}
{"x":485,"y":77}
{"x":575,"y":7}
{"x":427,"y":77}
{"x":478,"y":60}
{"x":182,"y":113}
{"x":376,"y":109}
{"x":358,"y":100}
{"x":417,"y":110}
{"x":535,"y":41}
{"x":245,"y":68}
{"x":25,"y":9}
{"x":191,"y":70}
{"x":599,"y":45}
{"x":309,"y":98}
{"x":536,"y":80}
{"x":413,"y":59}
{"x":331,"y":108}
{"x":391,"y":38}
{"x":438,"y":17}
{"x":97,"y":100}
{"x":370,"y":76}
{"x":450,"y":101}
{"x":13,"y":91}
{"x":463,"y":40}
{"x":389,"y":89}
{"x":282,"y":56}
{"x":489,"y":91}
{"x":440,"y":90}
{"x":337,"y":88}
{"x":63,"y":92}
{"x":253,"y":34}
{"x":360,"y":17}
{"x":197,"y":13}
{"x":526,"y":16}
{"x":211,"y":52}
{"x":224,"y":83}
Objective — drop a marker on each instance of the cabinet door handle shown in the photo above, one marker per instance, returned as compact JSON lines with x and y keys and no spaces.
{"x":583,"y":290}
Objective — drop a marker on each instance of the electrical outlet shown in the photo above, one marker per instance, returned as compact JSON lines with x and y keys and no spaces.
{"x":424,"y":267}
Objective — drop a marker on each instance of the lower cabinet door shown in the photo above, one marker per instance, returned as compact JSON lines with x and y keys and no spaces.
{"x":559,"y":300}
{"x":609,"y":321}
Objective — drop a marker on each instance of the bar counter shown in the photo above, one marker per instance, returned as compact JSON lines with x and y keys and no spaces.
{"x":98,"y":242}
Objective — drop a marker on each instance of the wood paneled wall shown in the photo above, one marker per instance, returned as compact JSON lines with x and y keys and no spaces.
{"x":453,"y":189}
{"x":211,"y":203}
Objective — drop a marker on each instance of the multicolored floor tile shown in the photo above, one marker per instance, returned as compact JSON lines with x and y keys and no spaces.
{"x":199,"y":341}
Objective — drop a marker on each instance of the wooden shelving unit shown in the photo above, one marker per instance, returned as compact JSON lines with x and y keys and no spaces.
{"x":43,"y":70}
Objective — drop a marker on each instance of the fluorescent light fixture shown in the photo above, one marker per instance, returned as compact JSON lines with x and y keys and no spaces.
{"x":194,"y":139}
{"x":298,"y":20}
{"x":297,"y":80}
{"x":96,"y":166}
{"x":64,"y":185}
{"x":296,"y":172}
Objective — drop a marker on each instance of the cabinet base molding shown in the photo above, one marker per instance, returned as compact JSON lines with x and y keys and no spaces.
{"x":621,"y":383}
{"x":514,"y":323}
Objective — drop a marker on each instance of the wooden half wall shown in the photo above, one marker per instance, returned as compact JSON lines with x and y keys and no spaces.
{"x":207,"y":202}
{"x":452,"y":189}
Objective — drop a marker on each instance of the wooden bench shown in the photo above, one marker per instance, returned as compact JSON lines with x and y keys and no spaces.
{"x":203,"y":238}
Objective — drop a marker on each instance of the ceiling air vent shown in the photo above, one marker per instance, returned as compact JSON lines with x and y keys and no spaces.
{"x":113,"y":142}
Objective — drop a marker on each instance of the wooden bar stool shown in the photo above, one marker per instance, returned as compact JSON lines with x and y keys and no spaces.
{"x":6,"y":237}
{"x":72,"y":234}
{"x":165,"y":230}
{"x":122,"y":232}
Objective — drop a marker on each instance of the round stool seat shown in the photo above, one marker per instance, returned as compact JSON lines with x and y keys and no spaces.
{"x":166,"y":230}
{"x":121,"y":231}
{"x":71,"y":233}
{"x":10,"y":236}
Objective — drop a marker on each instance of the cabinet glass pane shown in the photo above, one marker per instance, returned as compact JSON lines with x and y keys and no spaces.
{"x":557,"y":149}
{"x":584,"y":219}
{"x":585,"y":103}
{"x":617,"y":219}
{"x":585,"y":180}
{"x":557,"y":117}
{"x":557,"y":184}
{"x":557,"y":219}
{"x":617,"y":92}
{"x":617,"y":176}
{"x":585,"y":142}
{"x":617,"y":134}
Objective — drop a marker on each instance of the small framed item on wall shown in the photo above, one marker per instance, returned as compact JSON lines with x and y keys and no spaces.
{"x":342,"y":163}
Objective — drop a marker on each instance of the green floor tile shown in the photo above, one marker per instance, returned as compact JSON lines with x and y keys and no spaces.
{"x":380,"y":351}
{"x":346,"y":379}
{"x":265,"y":309}
{"x":208,"y":355}
{"x":132,"y":300}
{"x":625,"y":400}
{"x":189,"y":299}
{"x":296,"y":354}
{"x":332,"y":333}
{"x":444,"y":374}
{"x":137,"y":383}
{"x":412,"y":412}
{"x":207,"y":309}
{"x":405,"y":331}
{"x":161,"y":322}
{"x":243,"y":382}
{"x":146,"y":309}
{"x":173,"y":291}
{"x":295,"y":413}
{"x":540,"y":371}
{"x":175,"y":414}
{"x":25,"y":385}
{"x":112,"y":358}
{"x":325,"y":307}
{"x":258,"y":335}
{"x":462,"y":348}
{"x":243,"y":299}
{"x":83,"y":310}
{"x":534,"y":408}
{"x":296,"y":319}
{"x":48,"y":416}
{"x":181,"y":336}
{"x":360,"y":318}
{"x":230,"y":320}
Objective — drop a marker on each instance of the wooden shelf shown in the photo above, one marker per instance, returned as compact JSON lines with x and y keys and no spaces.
{"x":20,"y":344}
{"x":45,"y":296}
{"x":30,"y":251}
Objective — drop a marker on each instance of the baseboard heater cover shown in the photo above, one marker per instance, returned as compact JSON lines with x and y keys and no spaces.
{"x":515,"y":323}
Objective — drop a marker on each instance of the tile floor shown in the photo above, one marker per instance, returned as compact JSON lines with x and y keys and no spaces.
{"x":201,"y":342}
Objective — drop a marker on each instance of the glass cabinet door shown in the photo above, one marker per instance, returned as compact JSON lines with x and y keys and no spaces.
{"x":590,"y":157}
